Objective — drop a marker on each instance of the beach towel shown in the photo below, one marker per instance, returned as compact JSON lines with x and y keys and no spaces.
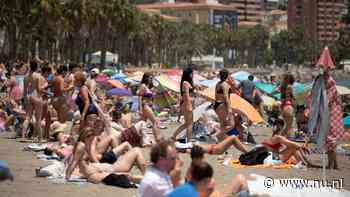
{"x":35,"y":147}
{"x":336,"y":127}
{"x":48,"y":157}
{"x":318,"y":123}
{"x":234,"y":163}
{"x":55,"y":169}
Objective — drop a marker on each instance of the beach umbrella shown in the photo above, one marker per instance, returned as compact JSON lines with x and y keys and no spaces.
{"x":5,"y":173}
{"x":115,"y":84}
{"x":209,"y":83}
{"x":109,"y":72}
{"x":120,"y":77}
{"x":102,"y":78}
{"x":346,"y":121}
{"x":168,"y":83}
{"x":119,"y":92}
{"x":173,"y":71}
{"x":243,"y":75}
{"x":237,"y":103}
{"x":326,"y":59}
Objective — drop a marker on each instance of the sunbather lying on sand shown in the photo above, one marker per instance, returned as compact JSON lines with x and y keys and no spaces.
{"x":220,"y":148}
{"x":102,"y":172}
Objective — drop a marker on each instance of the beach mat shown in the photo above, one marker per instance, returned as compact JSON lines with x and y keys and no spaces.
{"x":237,"y":103}
{"x":234,"y":163}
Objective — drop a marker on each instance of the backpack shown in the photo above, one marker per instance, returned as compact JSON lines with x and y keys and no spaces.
{"x":254,"y":157}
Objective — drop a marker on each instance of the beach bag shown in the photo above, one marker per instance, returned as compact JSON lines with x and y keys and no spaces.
{"x":254,"y":157}
{"x":118,"y":180}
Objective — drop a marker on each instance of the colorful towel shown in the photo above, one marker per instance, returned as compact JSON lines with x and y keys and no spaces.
{"x":234,"y":163}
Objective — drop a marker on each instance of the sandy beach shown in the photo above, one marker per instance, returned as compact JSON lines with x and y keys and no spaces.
{"x":23,"y":165}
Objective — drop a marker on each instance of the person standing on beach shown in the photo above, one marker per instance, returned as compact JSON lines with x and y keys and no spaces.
{"x":59,"y":100}
{"x":336,"y":126}
{"x":146,"y":103}
{"x":186,"y":103}
{"x":250,"y":93}
{"x":32,"y":94}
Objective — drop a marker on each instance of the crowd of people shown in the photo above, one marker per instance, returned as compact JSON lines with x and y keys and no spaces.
{"x":103,"y":143}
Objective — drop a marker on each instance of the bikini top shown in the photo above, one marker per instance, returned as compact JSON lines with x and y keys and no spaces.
{"x":147,"y":94}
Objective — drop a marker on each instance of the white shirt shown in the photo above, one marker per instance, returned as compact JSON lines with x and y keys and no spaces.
{"x":155,"y":183}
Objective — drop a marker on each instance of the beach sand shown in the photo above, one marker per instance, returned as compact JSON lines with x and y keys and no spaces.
{"x":23,"y":166}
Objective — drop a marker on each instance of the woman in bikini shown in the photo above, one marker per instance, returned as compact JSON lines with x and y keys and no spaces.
{"x":33,"y":88}
{"x":99,"y":172}
{"x":145,"y":103}
{"x":186,"y":103}
{"x":286,"y":149}
{"x":222,"y":107}
{"x":59,"y":101}
{"x":287,"y":105}
{"x":83,"y":100}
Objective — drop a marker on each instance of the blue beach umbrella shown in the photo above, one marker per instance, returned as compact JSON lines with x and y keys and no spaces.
{"x":119,"y":92}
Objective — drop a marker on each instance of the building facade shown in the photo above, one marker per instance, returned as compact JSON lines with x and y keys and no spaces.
{"x":275,"y":21}
{"x":320,"y":18}
{"x":250,"y":12}
{"x":199,"y":12}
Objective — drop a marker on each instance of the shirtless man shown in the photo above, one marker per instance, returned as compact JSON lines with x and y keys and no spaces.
{"x":32,"y":95}
{"x":59,"y":100}
{"x":91,"y":83}
{"x":97,"y":172}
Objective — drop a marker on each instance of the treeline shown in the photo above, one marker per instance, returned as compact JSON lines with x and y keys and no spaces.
{"x":69,"y":30}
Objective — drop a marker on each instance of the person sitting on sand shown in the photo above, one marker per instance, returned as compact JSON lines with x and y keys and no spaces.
{"x":291,"y":151}
{"x":106,"y":148}
{"x":134,"y":135}
{"x":101,"y":172}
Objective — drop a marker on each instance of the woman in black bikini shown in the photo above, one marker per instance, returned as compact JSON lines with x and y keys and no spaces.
{"x":83,"y":100}
{"x":186,"y":105}
{"x":222,"y":105}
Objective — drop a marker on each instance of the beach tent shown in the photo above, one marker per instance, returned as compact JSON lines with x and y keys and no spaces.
{"x":237,"y":103}
{"x":110,"y":57}
{"x":346,"y":121}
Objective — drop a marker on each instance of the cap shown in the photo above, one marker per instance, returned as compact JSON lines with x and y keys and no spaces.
{"x":95,"y":70}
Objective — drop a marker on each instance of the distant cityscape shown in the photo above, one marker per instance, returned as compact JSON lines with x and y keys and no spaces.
{"x":320,"y":18}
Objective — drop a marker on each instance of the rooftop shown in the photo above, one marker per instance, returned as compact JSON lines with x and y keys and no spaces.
{"x":185,"y":6}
